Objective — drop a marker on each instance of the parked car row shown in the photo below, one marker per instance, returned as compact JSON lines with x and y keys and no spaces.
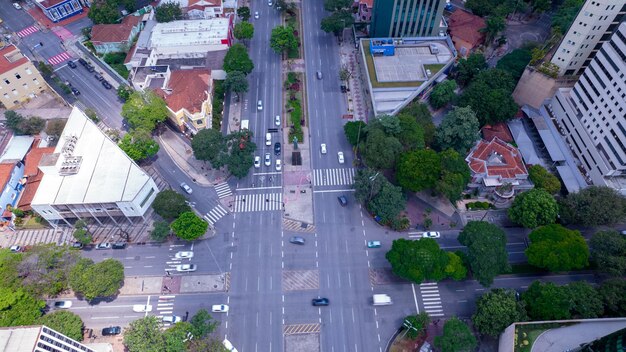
{"x":91,"y":69}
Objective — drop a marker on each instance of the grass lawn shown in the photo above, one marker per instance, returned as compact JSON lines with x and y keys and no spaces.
{"x":293,"y":22}
{"x":434,"y":68}
{"x":31,"y":224}
{"x":527,"y":334}
{"x":372,"y":73}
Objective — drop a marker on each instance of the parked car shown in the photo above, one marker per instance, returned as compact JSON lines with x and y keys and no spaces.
{"x":277,"y":120}
{"x":172,"y":319}
{"x":16,"y":249}
{"x":219,"y":308}
{"x":320,"y":302}
{"x":184,"y":255}
{"x":103,"y":245}
{"x":229,"y":346}
{"x":431,"y":234}
{"x":373,"y":244}
{"x":297,"y":240}
{"x":268,"y":159}
{"x":256,"y":15}
{"x":277,"y":148}
{"x":111,"y":330}
{"x":340,"y":157}
{"x":62,"y":304}
{"x":71,"y":64}
{"x":82,"y":62}
{"x":279,"y":165}
{"x":186,"y":188}
{"x":183,"y":268}
{"x":17,"y":6}
{"x":77,"y":245}
{"x":98,"y":77}
{"x":118,"y":245}
{"x":257,"y":161}
{"x":142,"y":308}
{"x":90,"y":68}
{"x":75,"y":91}
{"x":106,"y":84}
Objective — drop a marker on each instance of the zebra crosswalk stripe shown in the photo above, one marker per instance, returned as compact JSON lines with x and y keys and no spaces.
{"x":223,"y":190}
{"x":215,"y":214}
{"x":258,"y":202}
{"x":333,"y":177}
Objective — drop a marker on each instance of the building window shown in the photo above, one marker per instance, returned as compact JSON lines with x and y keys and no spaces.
{"x":14,"y":92}
{"x":28,"y":71}
{"x":7,"y":81}
{"x":35,"y":80}
{"x":25,"y":86}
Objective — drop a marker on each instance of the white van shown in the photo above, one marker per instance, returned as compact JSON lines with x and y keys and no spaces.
{"x":268,"y":139}
{"x":381,"y":300}
{"x":245,"y":124}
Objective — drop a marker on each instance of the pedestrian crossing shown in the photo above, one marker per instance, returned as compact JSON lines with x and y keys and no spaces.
{"x":27,"y":31}
{"x":165,"y":305}
{"x":215,"y":214}
{"x":32,"y":237}
{"x":223,"y":190}
{"x":60,"y":58}
{"x":258,"y":202}
{"x":431,"y":299}
{"x":333,"y":177}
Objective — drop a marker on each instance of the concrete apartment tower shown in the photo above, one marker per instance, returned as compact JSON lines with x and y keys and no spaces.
{"x":592,"y":114}
{"x":593,"y":26}
{"x":406,"y":18}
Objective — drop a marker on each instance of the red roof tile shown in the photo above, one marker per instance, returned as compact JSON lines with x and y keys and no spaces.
{"x":49,"y":3}
{"x":5,"y":173}
{"x":368,"y":3}
{"x":496,"y":158}
{"x":465,"y":26}
{"x":10,"y":58}
{"x":186,"y":89}
{"x":204,"y":3}
{"x":30,"y":188}
{"x":31,"y":162}
{"x":114,"y":33}
{"x":500,"y":130}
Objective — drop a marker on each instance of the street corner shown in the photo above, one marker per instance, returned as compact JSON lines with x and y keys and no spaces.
{"x":141,"y":285}
{"x":204,"y":283}
{"x":299,"y":204}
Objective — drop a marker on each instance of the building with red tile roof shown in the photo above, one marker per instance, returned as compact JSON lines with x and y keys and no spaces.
{"x":19,"y":79}
{"x":494,"y":163}
{"x":33,"y":175}
{"x":500,"y":130}
{"x":188,"y":97}
{"x":365,"y":10}
{"x":464,"y":29}
{"x":57,"y":10}
{"x":200,"y":9}
{"x":109,"y":38}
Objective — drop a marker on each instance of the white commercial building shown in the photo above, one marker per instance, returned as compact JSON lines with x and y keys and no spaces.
{"x":89,"y":176}
{"x":37,"y":339}
{"x":592,"y":114}
{"x":593,"y":26}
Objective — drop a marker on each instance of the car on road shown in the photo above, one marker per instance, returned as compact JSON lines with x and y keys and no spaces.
{"x":17,"y":6}
{"x":343,"y":200}
{"x":75,"y":91}
{"x":62,"y":304}
{"x":229,"y":346}
{"x":141,"y":308}
{"x":279,"y":165}
{"x":268,"y":139}
{"x":297,"y":240}
{"x":118,"y":245}
{"x":323,"y":148}
{"x":186,"y":188}
{"x":90,"y":68}
{"x":219,"y":308}
{"x":71,"y":64}
{"x":106,"y":84}
{"x":257,"y":161}
{"x":111,"y":330}
{"x":319,"y":74}
{"x":77,"y":245}
{"x":98,"y":77}
{"x":82,"y":62}
{"x":184,"y":255}
{"x":259,"y":105}
{"x":268,"y":159}
{"x":172,"y":319}
{"x":256,"y":15}
{"x":269,"y":3}
{"x":277,"y":148}
{"x":186,"y":267}
{"x":277,"y":120}
{"x":340,"y":157}
{"x":103,"y":245}
{"x":623,"y":232}
{"x":15,"y":249}
{"x":431,"y":234}
{"x":373,"y":244}
{"x":320,"y":302}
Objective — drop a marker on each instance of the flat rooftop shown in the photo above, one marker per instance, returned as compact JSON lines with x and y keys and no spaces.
{"x":190,"y":32}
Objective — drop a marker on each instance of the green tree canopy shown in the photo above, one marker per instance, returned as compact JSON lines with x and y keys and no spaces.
{"x":497,"y":309}
{"x":421,"y":113}
{"x":367,"y":184}
{"x":17,"y":307}
{"x":355,"y":131}
{"x":565,"y":15}
{"x":418,"y":324}
{"x":486,"y":250}
{"x":202,"y":324}
{"x":388,"y":203}
{"x":543,"y":179}
{"x":557,"y":248}
{"x":237,"y":59}
{"x":489,"y":95}
{"x":124,"y":92}
{"x":144,"y":110}
{"x":418,"y":260}
{"x":104,"y":13}
{"x":236,"y":81}
{"x":515,"y":62}
{"x":547,"y":301}
{"x":457,"y":337}
{"x":337,"y":5}
{"x":189,"y":226}
{"x":65,"y":322}
{"x":170,"y":204}
{"x":459,"y":130}
{"x":613,"y":294}
{"x":412,"y":134}
{"x":144,"y":335}
{"x":283,"y":39}
{"x":593,"y":206}
{"x":455,"y":174}
{"x":470,"y":67}
{"x":418,"y":170}
{"x":533,"y":208}
{"x":160,"y":231}
{"x":44,"y":269}
{"x":442,"y":94}
{"x":139,"y":145}
{"x":243,"y":31}
{"x":381,"y":150}
{"x":495,"y":25}
{"x":585,"y":301}
{"x":244,"y":13}
{"x":608,"y":248}
{"x":209,"y":145}
{"x":168,"y":12}
{"x":55,"y":127}
{"x":21,"y":125}
{"x":390,"y":125}
{"x":82,"y":236}
{"x":337,"y":22}
{"x":241,"y":149}
{"x":98,"y":280}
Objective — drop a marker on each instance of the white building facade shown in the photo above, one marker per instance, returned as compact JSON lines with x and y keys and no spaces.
{"x":38,"y":339}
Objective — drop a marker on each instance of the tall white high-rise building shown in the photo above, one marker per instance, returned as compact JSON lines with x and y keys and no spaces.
{"x":592,"y":114}
{"x":593,"y":26}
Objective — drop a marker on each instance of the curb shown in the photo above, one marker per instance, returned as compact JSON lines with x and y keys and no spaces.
{"x":167,"y":148}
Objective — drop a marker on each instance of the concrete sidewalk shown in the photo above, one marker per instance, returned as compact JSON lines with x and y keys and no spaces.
{"x":180,"y":152}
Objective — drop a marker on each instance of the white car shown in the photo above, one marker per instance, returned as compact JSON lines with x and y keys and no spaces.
{"x":17,"y":6}
{"x":229,"y":346}
{"x":141,"y":308}
{"x":259,"y":105}
{"x":15,"y":249}
{"x":186,"y":188}
{"x":268,"y":159}
{"x":172,"y":319}
{"x":269,"y":3}
{"x":323,"y":148}
{"x":278,"y":165}
{"x":219,"y":308}
{"x":186,"y":267}
{"x":184,"y":255}
{"x":257,"y":161}
{"x":277,"y":120}
{"x":256,"y":15}
{"x":431,"y":234}
{"x":62,"y":304}
{"x":340,"y":157}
